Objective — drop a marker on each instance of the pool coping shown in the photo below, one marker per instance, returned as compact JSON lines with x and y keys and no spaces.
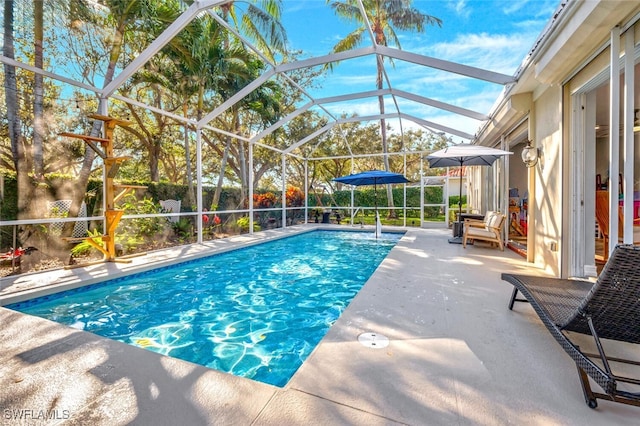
{"x":456,"y":355}
{"x":66,"y":282}
{"x":27,"y":286}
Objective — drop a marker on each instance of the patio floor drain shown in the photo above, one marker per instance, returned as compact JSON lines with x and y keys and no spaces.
{"x":373,"y":340}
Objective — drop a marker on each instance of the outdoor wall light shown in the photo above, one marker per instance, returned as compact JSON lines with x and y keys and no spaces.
{"x":530,"y":155}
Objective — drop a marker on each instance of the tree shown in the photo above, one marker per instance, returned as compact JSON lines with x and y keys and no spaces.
{"x":18,"y":149}
{"x":152,"y":128}
{"x":385,"y":16}
{"x":263,"y":26}
{"x":260,"y":24}
{"x":124,"y":16}
{"x":38,"y":86}
{"x":201,"y":67}
{"x":169,"y":81}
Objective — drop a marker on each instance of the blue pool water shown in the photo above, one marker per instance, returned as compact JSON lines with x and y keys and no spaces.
{"x":255,"y":312}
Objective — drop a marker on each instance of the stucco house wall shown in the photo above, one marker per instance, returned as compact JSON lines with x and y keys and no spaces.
{"x":571,"y":51}
{"x":548,"y":178}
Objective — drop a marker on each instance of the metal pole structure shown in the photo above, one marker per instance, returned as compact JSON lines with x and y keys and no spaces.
{"x":404,"y":191}
{"x":614,"y":135}
{"x":460,"y":194}
{"x":250,"y":171}
{"x":284,"y":192}
{"x":629,"y":154}
{"x":306,"y":191}
{"x":375,"y":200}
{"x":421,"y":191}
{"x":199,"y":226}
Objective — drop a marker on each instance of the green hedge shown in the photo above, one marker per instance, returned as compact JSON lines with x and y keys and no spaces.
{"x":367,"y":197}
{"x":229,"y":197}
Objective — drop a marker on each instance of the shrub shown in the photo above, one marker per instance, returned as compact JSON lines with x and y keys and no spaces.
{"x":264,"y":201}
{"x":243,"y":224}
{"x":140,"y":228}
{"x":295,"y":197}
{"x":84,"y":248}
{"x":182,"y":227}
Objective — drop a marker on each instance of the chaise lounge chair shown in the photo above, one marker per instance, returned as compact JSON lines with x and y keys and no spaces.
{"x":606,"y":309}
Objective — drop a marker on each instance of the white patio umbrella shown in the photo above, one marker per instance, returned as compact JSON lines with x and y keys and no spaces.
{"x":464,"y":155}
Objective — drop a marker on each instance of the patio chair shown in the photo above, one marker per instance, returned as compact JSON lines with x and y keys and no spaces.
{"x":480,"y":223}
{"x":60,"y":208}
{"x":171,"y":206}
{"x":606,"y":309}
{"x":488,"y":230}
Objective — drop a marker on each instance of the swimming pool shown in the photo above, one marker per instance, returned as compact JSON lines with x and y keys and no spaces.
{"x":256,"y":312}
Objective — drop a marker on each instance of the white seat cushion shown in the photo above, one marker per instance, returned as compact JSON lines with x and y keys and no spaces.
{"x":494,"y":222}
{"x":479,"y":232}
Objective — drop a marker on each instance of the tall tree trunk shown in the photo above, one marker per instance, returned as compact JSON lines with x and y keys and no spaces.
{"x":190,"y":198}
{"x":80,"y":187}
{"x":154,"y":155}
{"x":223,"y":165}
{"x":391,"y":214}
{"x":244,"y":175}
{"x":39,"y":203}
{"x":18,"y":150}
{"x":38,"y":88}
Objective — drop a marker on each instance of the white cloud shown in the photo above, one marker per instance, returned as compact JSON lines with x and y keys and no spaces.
{"x":514,"y":6}
{"x":496,"y":52}
{"x":460,"y":7}
{"x":498,"y":45}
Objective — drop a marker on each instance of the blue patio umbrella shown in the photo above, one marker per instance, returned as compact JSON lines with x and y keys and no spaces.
{"x":373,"y":177}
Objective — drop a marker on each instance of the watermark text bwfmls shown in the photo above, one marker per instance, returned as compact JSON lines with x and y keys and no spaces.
{"x":28,"y":414}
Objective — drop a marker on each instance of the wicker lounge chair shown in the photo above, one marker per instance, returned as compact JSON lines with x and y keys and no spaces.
{"x":606,"y":309}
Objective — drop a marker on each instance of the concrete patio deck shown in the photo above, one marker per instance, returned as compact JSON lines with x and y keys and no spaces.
{"x":457,"y":355}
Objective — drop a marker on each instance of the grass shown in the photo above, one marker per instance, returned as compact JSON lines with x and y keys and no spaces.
{"x":411,"y":221}
{"x":369,"y":218}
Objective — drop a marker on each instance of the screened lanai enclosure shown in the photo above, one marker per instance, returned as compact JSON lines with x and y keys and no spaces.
{"x":129,"y":126}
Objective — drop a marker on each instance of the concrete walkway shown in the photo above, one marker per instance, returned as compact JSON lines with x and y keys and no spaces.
{"x":456,"y":356}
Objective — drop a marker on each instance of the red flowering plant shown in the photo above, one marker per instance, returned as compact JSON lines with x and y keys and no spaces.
{"x":264,"y":201}
{"x":295,"y":197}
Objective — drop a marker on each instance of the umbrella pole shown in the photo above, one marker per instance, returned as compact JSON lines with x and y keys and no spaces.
{"x":457,"y":239}
{"x":375,"y":201}
{"x":460,"y":197}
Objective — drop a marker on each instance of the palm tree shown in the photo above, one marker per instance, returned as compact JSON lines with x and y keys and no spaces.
{"x":261,"y":24}
{"x":200,"y":59}
{"x":264,"y":103}
{"x":202,"y":65}
{"x":384,"y":16}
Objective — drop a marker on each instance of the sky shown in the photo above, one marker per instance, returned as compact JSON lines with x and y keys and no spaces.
{"x":495,"y":35}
